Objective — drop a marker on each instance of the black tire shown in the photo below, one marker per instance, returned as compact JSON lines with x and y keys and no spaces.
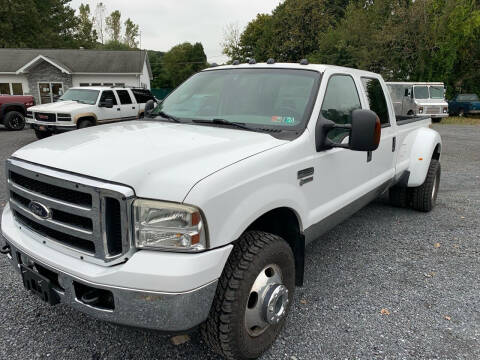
{"x":42,"y":134}
{"x":14,"y":121}
{"x":225,"y":330}
{"x":82,"y":124}
{"x":425,"y":195}
{"x":398,"y":196}
{"x":410,"y":113}
{"x":436,"y":120}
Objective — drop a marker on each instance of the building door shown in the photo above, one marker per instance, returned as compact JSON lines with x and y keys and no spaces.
{"x":49,"y":91}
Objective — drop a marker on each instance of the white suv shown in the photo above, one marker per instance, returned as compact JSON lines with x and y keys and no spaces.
{"x":82,"y":107}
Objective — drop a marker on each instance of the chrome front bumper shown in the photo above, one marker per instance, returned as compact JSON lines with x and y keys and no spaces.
{"x":153,"y":310}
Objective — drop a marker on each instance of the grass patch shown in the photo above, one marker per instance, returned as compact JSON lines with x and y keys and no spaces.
{"x":457,"y":120}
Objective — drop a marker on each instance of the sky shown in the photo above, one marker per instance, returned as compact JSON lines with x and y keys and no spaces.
{"x":166,"y":23}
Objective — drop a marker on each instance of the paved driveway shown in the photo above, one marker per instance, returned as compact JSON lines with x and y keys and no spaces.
{"x":423,"y":270}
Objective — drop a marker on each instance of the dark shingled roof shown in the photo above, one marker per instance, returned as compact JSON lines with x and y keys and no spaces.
{"x":77,"y":60}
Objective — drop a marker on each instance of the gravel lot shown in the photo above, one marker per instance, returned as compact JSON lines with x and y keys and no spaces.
{"x":423,"y":269}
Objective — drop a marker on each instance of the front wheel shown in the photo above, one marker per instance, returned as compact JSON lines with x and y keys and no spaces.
{"x":42,"y":134}
{"x":14,"y":120}
{"x":253,"y":297}
{"x":425,"y":195}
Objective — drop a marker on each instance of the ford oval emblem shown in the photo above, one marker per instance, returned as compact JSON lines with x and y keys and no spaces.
{"x":39,"y":210}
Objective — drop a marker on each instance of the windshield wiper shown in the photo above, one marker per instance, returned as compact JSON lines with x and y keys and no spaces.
{"x":228,"y":123}
{"x":167,"y":116}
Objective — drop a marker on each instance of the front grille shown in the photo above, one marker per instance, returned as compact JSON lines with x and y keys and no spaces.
{"x":433,"y":110}
{"x":70,"y":240}
{"x":85,"y":218}
{"x":45,"y":117}
{"x":56,"y":192}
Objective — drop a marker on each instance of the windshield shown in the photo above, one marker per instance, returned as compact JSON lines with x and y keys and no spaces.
{"x":81,"y":95}
{"x":467,"y":97}
{"x":420,"y":92}
{"x":267,"y":97}
{"x":437,"y":92}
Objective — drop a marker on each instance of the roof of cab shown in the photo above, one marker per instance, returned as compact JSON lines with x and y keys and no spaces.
{"x":321,"y":68}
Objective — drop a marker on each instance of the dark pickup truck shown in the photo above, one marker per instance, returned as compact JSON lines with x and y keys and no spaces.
{"x":464,"y":104}
{"x":13,"y":109}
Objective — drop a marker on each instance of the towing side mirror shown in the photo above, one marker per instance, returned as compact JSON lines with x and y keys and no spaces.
{"x":149,"y":106}
{"x":107,"y":103}
{"x":364,"y":132}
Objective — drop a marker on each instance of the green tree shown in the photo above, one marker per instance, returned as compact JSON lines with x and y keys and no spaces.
{"x":181,"y":62}
{"x":114,"y":26}
{"x":86,"y":34}
{"x":37,"y":23}
{"x":131,"y":34}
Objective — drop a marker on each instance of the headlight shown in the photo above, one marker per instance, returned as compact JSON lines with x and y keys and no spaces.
{"x":29,"y":115}
{"x":167,"y":226}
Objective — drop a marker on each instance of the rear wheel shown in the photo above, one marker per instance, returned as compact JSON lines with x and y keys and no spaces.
{"x":436,"y":120}
{"x":253,"y":297}
{"x":42,"y":134}
{"x":14,"y":120}
{"x":425,"y":195}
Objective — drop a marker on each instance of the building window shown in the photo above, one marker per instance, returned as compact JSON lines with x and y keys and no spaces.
{"x":84,"y":84}
{"x":5,"y":88}
{"x":17,"y":89}
{"x":96,"y":84}
{"x":107,"y":84}
{"x":120,"y":84}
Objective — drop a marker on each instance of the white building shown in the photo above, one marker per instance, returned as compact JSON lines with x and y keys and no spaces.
{"x":47,"y":73}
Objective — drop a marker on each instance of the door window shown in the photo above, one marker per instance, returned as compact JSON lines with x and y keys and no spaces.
{"x":124,"y":97}
{"x":108,"y":94}
{"x":341,"y":98}
{"x":376,"y":98}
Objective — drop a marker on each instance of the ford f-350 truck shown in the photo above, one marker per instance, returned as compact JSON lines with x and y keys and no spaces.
{"x":200,"y":213}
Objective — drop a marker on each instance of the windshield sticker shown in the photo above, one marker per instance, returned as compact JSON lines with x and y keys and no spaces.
{"x":283,"y":120}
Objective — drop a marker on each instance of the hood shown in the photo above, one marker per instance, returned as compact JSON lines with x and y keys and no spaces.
{"x":158,"y":160}
{"x":60,"y":106}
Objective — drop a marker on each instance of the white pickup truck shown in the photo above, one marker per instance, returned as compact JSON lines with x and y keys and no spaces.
{"x":200,"y":213}
{"x":82,"y":107}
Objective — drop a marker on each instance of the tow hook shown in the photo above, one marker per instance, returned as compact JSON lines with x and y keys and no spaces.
{"x":5,"y":250}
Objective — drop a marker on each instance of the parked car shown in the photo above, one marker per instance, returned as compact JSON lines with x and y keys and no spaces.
{"x":82,"y":107}
{"x":464,"y":104}
{"x":419,"y":98}
{"x":13,"y":109}
{"x":200,"y":213}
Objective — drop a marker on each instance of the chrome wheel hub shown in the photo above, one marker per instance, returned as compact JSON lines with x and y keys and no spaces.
{"x":267,"y":302}
{"x":276,"y":304}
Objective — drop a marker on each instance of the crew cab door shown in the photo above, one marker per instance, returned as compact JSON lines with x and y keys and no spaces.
{"x":128,"y":107}
{"x":108,"y":114}
{"x":382,"y":161}
{"x":341,"y":177}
